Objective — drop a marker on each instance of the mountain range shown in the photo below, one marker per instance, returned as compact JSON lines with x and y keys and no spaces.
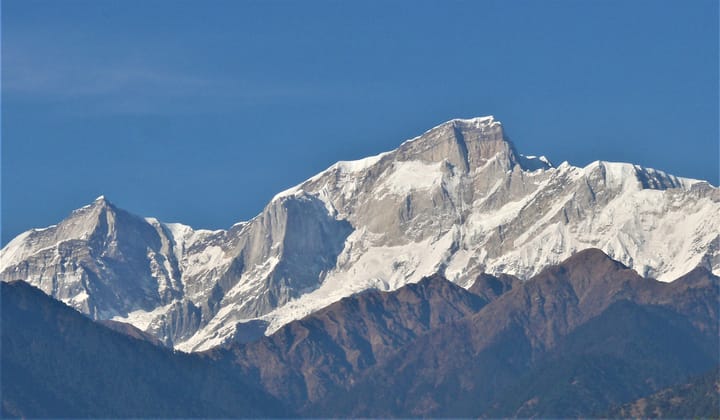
{"x":457,"y":201}
{"x":582,"y":338}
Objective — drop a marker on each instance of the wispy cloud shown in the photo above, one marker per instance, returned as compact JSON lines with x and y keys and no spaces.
{"x":112,"y":87}
{"x":62,"y":81}
{"x":131,"y":87}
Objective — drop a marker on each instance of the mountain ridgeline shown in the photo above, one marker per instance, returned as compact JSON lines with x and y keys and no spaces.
{"x":458,"y":200}
{"x":434,"y":349}
{"x":578,"y":339}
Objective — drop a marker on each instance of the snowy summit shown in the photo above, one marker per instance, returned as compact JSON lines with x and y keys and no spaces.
{"x":458,"y":199}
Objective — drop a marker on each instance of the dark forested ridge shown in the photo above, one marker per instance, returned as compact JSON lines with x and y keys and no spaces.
{"x":58,"y":363}
{"x":697,"y":398}
{"x":628,"y":351}
{"x":325,"y":351}
{"x":559,"y":344}
{"x":576,"y":340}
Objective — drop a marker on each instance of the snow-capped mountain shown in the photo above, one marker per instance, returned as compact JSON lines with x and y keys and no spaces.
{"x":458,"y":200}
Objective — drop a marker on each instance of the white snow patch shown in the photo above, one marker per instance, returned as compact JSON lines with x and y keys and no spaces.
{"x":16,"y":250}
{"x":142,"y":319}
{"x":80,"y":297}
{"x":44,"y":229}
{"x":378,"y":267}
{"x":358,"y":165}
{"x":408,"y":176}
{"x":349,"y":166}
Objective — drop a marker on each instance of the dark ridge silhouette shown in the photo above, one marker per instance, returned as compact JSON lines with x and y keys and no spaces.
{"x":58,"y":363}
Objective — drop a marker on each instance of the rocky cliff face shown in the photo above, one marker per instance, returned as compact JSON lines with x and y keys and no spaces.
{"x":170,"y":280}
{"x":101,"y":260}
{"x":458,"y":200}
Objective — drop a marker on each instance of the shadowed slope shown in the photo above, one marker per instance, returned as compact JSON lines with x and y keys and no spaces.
{"x":469,"y":367}
{"x":697,"y":398}
{"x":58,"y":363}
{"x":307,"y":358}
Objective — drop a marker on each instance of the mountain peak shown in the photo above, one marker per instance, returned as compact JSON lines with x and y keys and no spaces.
{"x":92,"y":210}
{"x":464,"y":143}
{"x":600,"y":263}
{"x":478,"y":128}
{"x":592,"y":274}
{"x":592,"y":256}
{"x":102,"y":201}
{"x":475,"y":122}
{"x":457,"y":199}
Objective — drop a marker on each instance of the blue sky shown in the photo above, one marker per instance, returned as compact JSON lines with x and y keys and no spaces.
{"x":200,"y":111}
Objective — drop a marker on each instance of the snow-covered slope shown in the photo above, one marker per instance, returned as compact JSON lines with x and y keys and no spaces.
{"x":458,"y":200}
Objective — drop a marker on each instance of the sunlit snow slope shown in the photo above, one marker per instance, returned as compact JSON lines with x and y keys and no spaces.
{"x":458,"y":200}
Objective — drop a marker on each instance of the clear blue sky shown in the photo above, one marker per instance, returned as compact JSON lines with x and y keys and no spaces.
{"x":200,"y":111}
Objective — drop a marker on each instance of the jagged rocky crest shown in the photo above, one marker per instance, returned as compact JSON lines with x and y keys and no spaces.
{"x":458,"y":200}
